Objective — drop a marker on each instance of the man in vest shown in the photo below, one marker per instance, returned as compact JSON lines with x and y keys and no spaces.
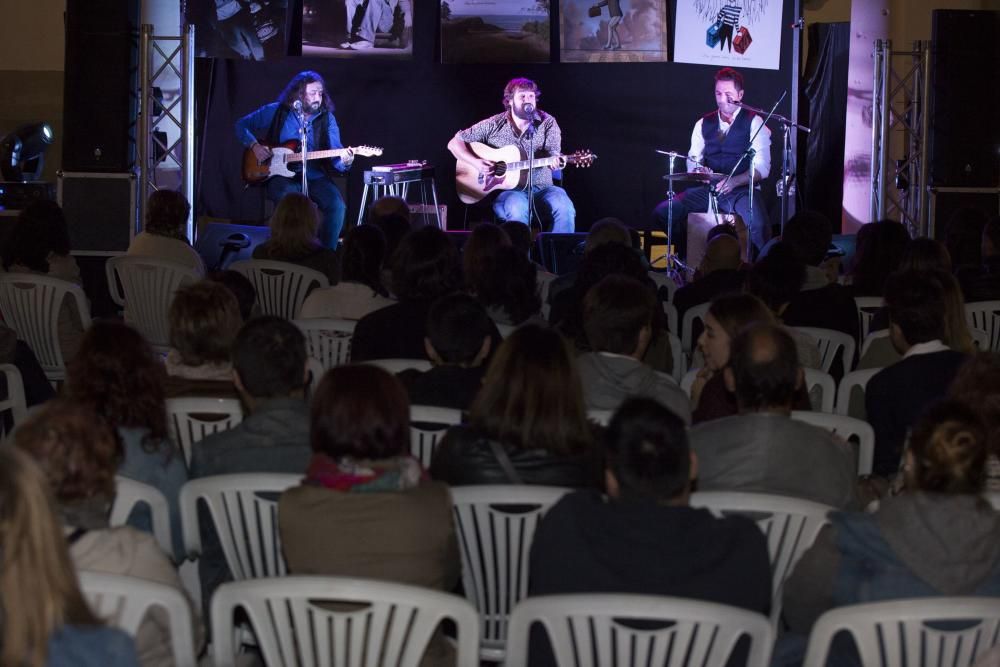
{"x":278,"y":122}
{"x":717,"y":143}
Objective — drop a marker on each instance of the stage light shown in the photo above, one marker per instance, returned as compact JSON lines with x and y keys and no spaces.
{"x":22,"y":152}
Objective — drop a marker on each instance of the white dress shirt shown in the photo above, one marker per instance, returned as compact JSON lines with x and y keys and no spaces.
{"x":761,"y":143}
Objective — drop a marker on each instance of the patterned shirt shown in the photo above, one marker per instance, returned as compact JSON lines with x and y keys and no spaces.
{"x":730,"y":15}
{"x":498,"y":131}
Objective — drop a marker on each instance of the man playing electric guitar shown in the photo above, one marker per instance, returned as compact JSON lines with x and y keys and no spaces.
{"x":537,"y":134}
{"x":279,"y":122}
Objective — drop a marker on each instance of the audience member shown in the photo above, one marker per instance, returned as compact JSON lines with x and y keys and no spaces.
{"x":508,"y":288}
{"x":528,"y":424}
{"x":762,"y":449}
{"x":46,"y":619}
{"x":605,"y":230}
{"x":879,"y":250}
{"x":977,"y":385}
{"x":37,"y":388}
{"x":896,"y":396}
{"x":618,"y":320}
{"x":982,"y":283}
{"x":79,"y":454}
{"x":924,"y":254}
{"x":361,"y":290}
{"x":294,"y":225}
{"x":425,"y":267}
{"x":242,"y":289}
{"x":118,"y":376}
{"x":392,"y":216}
{"x":478,"y":252}
{"x":459,"y":341}
{"x":165,"y":234}
{"x":204,"y":319}
{"x":719,"y":273}
{"x":366,"y":508}
{"x":644,"y":538}
{"x":938,"y":538}
{"x":520,"y":238}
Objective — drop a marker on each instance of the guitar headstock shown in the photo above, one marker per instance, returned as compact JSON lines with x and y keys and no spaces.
{"x":367,"y":151}
{"x":582,"y":158}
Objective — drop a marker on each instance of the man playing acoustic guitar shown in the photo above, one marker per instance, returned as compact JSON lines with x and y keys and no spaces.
{"x":537,"y":135}
{"x":279,"y":122}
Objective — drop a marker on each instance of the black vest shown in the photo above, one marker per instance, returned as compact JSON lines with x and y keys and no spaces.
{"x":320,"y":135}
{"x":722,"y":152}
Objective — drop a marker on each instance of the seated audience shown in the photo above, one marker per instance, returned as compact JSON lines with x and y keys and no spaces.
{"x":365,"y":507}
{"x":977,"y":384}
{"x":392,"y":216}
{"x":879,"y":250}
{"x":507,"y":285}
{"x":528,"y":424}
{"x":241,"y":287}
{"x":459,"y":341}
{"x":982,"y":283}
{"x":762,"y":449}
{"x":719,"y":272}
{"x":204,"y":319}
{"x":46,"y":621}
{"x":896,"y":396}
{"x":360,"y":290}
{"x":478,"y":252}
{"x":618,"y":319}
{"x":938,"y":538}
{"x":924,"y":254}
{"x":118,"y":376}
{"x":425,"y":267}
{"x":520,"y":238}
{"x":79,"y":454}
{"x":644,"y":538}
{"x":165,"y":233}
{"x":293,"y":238}
{"x":37,"y":388}
{"x":605,"y":230}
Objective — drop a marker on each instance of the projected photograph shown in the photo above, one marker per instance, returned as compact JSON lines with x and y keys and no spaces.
{"x":246,"y":29}
{"x":737,"y":33}
{"x":613,"y":31}
{"x":357,"y":28}
{"x":495,"y":31}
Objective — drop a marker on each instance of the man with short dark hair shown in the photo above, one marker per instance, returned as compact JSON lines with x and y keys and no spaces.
{"x":719,"y":273}
{"x":618,"y":320}
{"x":644,"y":537}
{"x":898,"y":394}
{"x":762,"y":449}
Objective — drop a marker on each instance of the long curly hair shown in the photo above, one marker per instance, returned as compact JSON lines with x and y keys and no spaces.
{"x":297,"y":86}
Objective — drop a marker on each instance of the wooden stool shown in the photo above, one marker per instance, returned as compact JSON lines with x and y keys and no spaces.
{"x":698,"y":226}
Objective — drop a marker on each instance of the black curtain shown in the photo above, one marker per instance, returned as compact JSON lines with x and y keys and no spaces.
{"x":824,"y":87}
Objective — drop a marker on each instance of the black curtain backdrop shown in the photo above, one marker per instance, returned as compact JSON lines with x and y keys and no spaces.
{"x":824,"y":88}
{"x":621,"y":111}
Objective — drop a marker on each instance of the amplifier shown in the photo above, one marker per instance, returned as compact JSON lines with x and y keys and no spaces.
{"x":18,"y":194}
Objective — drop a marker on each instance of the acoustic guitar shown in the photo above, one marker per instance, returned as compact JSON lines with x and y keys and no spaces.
{"x":255,"y":171}
{"x":510,"y":165}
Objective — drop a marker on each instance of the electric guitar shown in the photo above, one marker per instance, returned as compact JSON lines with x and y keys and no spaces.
{"x":255,"y":171}
{"x":510,"y":166}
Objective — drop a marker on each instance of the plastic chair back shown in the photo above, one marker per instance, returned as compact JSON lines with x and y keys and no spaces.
{"x":131,"y":493}
{"x":328,"y":340}
{"x":428,"y":424}
{"x":985,"y":315}
{"x":854,"y":431}
{"x":145,"y":287}
{"x":13,"y":408}
{"x":830,"y":343}
{"x":191,"y":418}
{"x":281,"y":287}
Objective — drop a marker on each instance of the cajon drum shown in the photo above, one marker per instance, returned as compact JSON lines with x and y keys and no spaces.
{"x":698,"y":226}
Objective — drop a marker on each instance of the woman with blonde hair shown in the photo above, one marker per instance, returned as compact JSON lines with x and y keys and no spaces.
{"x":293,"y":237}
{"x":45,"y":618}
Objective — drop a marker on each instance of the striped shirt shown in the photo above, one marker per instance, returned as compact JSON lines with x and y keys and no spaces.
{"x":730,"y":15}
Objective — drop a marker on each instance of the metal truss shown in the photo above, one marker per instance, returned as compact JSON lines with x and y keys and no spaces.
{"x":166,"y":110}
{"x":900,"y":129}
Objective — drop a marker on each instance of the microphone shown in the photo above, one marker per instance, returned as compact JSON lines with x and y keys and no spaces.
{"x":529,"y":109}
{"x":297,"y":105}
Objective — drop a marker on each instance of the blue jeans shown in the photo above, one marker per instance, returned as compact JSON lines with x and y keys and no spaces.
{"x":695,"y":200}
{"x":327,"y":197}
{"x":551,"y":202}
{"x":378,"y":16}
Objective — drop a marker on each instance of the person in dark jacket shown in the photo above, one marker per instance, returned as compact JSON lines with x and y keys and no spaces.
{"x":528,"y":425}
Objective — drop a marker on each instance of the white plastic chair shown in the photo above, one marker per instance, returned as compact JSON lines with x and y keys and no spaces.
{"x":670,"y":310}
{"x":586,"y":630}
{"x":789,"y":524}
{"x":244,"y":511}
{"x":13,"y":408}
{"x":130,"y":493}
{"x":818,"y":382}
{"x":191,"y":418}
{"x":145,"y":287}
{"x":910,"y":632}
{"x":316,"y":372}
{"x":867,"y":307}
{"x":687,"y":327}
{"x":688,"y":380}
{"x":993,"y":499}
{"x":830,"y":342}
{"x":328,"y":340}
{"x":980,"y":338}
{"x":664,"y":280}
{"x":281,"y":287}
{"x":985,"y":315}
{"x":849,"y":429}
{"x":601,"y":417}
{"x":677,"y":356}
{"x":399,"y":365}
{"x":494,"y":543}
{"x":385,"y":624}
{"x":30,"y":306}
{"x":853,"y":380}
{"x":505,"y":329}
{"x":433,"y":424}
{"x":870,"y":339}
{"x":124,"y":602}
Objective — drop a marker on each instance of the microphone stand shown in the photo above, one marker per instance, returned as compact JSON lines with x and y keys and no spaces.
{"x":303,"y":141}
{"x":530,"y":133}
{"x":787,"y":174}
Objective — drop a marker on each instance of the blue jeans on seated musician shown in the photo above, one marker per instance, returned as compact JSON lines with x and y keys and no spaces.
{"x":551,"y":203}
{"x":327,"y":197}
{"x":696,"y":200}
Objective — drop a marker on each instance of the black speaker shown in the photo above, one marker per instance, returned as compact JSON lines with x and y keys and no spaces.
{"x":221,"y":243}
{"x":100,"y":210}
{"x":561,"y":253}
{"x":100,"y":90}
{"x":964,"y":139}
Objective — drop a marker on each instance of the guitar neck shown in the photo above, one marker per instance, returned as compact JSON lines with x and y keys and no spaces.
{"x":537,"y":162}
{"x":317,"y":155}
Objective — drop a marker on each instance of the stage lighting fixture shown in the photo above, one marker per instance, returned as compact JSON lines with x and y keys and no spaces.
{"x":22,"y":152}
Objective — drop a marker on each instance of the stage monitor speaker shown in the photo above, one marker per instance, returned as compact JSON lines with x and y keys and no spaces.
{"x":100,"y":90}
{"x":100,"y":210}
{"x":221,"y":243}
{"x":964,"y":143}
{"x":561,"y":253}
